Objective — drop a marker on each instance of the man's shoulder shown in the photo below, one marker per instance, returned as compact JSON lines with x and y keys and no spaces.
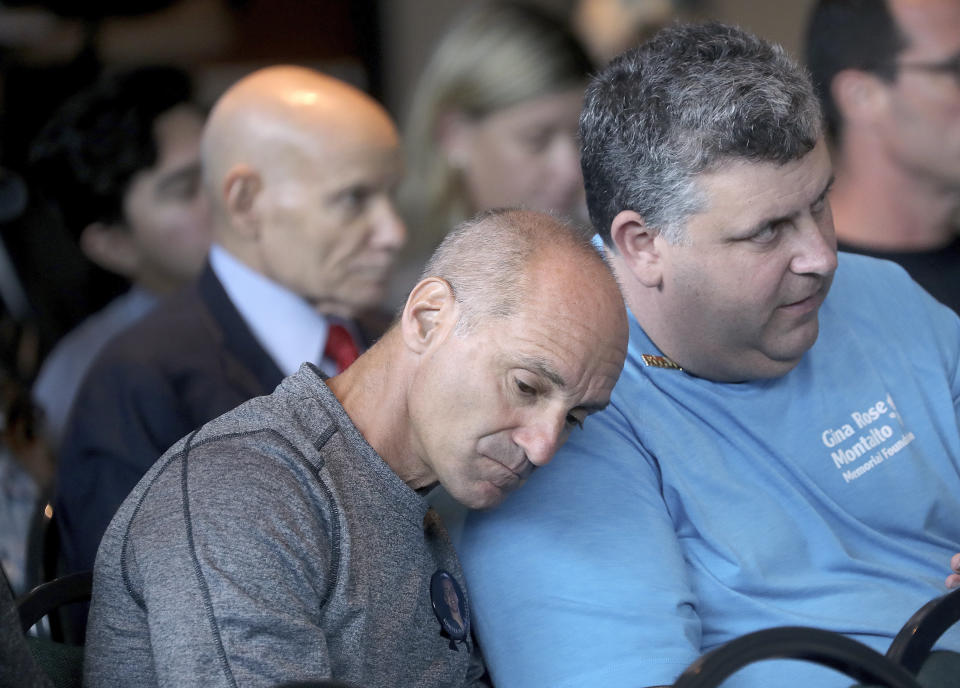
{"x":248,"y":466}
{"x":867,"y":288}
{"x":142,"y":366}
{"x":859,"y":266}
{"x":175,"y":322}
{"x":296,"y":420}
{"x":97,"y":329}
{"x":865,"y":277}
{"x":261,"y":444}
{"x":645,"y":370}
{"x":180,"y":332}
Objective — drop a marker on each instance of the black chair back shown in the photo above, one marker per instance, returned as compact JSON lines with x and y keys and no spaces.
{"x":319,"y":683}
{"x":43,"y":544}
{"x":912,"y":645}
{"x":18,"y":665}
{"x":62,"y":663}
{"x":826,"y":648}
{"x":50,"y":597}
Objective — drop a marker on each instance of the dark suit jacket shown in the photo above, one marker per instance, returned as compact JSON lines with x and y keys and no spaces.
{"x":188,"y":361}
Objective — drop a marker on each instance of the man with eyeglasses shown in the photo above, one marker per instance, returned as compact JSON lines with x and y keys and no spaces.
{"x":888,"y":74}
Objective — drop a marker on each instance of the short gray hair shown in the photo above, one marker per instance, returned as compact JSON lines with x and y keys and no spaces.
{"x":690,"y":99}
{"x":486,"y":259}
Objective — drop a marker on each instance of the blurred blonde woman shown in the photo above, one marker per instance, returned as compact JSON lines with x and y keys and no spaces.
{"x":493,"y":123}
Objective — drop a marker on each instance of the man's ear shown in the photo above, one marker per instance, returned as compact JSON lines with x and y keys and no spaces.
{"x":859,"y":96}
{"x":454,"y":135}
{"x":112,"y":246}
{"x":241,"y":191}
{"x":431,"y":311}
{"x":637,"y":246}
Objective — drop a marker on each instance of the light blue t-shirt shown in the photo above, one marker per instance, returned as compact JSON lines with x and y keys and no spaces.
{"x":690,"y":512}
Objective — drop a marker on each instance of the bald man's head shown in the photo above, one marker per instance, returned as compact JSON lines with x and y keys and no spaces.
{"x":300,"y":168}
{"x":518,"y":332}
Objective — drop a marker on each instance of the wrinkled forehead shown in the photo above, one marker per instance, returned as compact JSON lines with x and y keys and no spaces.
{"x":743,"y":192}
{"x":342,"y":130}
{"x":576,"y":278}
{"x":577,"y":292}
{"x":337,"y":155}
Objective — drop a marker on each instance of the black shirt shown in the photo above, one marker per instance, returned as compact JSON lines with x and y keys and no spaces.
{"x":937,"y":271}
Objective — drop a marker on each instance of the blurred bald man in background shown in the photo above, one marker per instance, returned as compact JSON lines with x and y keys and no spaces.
{"x":300,"y":170}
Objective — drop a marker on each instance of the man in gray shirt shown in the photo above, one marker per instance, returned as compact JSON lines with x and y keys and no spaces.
{"x":289,"y":539}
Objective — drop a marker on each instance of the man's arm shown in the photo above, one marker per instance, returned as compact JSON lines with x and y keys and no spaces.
{"x":125,"y":417}
{"x":230,"y":557}
{"x":578,"y":579}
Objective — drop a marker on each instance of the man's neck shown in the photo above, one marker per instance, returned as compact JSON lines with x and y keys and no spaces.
{"x":373,"y":392}
{"x":692,"y":352}
{"x":156,"y":284}
{"x":879,"y":205}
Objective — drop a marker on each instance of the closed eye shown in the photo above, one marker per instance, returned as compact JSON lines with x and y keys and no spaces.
{"x":525,"y":388}
{"x":538,"y":140}
{"x":768,"y":233}
{"x":357,"y":196}
{"x":821,"y":202}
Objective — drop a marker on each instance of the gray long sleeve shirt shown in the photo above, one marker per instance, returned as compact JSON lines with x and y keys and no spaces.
{"x":273,"y":545}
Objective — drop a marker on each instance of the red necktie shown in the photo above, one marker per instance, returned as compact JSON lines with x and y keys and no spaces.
{"x":340,"y":348}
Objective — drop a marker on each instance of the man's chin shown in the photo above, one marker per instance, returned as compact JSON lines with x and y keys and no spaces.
{"x":348,"y":310}
{"x":335,"y":309}
{"x":784,"y":358}
{"x":486,"y":496}
{"x":800,"y":342}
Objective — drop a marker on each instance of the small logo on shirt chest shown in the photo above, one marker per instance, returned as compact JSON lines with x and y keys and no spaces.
{"x":652,"y":361}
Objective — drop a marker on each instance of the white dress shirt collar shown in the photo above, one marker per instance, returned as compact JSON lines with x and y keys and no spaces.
{"x":285,"y":325}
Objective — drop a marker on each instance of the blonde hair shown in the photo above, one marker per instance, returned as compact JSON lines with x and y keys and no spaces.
{"x":496,"y":55}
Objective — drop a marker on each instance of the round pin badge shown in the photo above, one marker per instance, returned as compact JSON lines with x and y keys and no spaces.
{"x":450,"y":607}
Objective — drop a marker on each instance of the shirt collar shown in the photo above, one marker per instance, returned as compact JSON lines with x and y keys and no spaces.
{"x":285,"y":325}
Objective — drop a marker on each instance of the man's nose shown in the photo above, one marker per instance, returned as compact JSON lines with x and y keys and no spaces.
{"x":816,"y":253}
{"x":566,"y":163}
{"x":390,"y":229}
{"x":541,"y":438}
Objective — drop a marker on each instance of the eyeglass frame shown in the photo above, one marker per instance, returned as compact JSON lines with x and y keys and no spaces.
{"x":949,"y":66}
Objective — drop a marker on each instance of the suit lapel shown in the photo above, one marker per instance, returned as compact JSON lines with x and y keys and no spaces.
{"x":245,"y":362}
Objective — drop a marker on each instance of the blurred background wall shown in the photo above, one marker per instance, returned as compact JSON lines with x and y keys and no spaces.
{"x":52,"y":46}
{"x":410,"y":28}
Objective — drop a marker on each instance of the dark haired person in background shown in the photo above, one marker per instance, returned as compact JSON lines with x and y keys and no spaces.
{"x":888,"y":74}
{"x":121,"y":162}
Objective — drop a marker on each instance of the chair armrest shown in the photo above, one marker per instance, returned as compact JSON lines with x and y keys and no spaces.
{"x":912,"y":645}
{"x":43,"y":599}
{"x":827,"y":648}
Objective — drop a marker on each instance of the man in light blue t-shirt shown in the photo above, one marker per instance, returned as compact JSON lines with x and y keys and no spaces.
{"x":783,"y":445}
